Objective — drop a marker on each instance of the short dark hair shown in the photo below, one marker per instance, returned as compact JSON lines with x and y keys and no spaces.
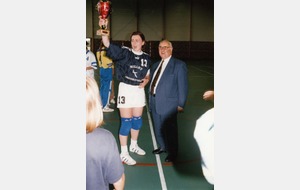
{"x":138,"y":33}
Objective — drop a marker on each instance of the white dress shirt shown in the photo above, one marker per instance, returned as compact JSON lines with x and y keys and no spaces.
{"x":166,"y":61}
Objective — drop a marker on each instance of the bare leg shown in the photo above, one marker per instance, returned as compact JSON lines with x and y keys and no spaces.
{"x":134,"y":134}
{"x":112,"y":94}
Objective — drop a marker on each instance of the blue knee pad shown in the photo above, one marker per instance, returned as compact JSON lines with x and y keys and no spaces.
{"x":137,"y":123}
{"x":126,"y":124}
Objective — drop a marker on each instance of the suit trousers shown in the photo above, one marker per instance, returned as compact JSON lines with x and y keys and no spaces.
{"x":166,"y":129}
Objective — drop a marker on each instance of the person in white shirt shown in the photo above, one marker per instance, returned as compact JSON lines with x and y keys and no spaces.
{"x":91,"y":63}
{"x":204,"y":134}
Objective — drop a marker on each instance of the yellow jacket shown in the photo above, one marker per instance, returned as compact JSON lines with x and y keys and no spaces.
{"x":104,"y":61}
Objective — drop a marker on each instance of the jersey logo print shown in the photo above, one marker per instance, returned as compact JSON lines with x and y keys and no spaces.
{"x":134,"y":73}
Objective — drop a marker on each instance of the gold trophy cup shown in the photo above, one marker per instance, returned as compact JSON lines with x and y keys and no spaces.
{"x":104,"y":10}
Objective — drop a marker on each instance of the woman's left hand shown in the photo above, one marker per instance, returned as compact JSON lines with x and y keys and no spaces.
{"x":144,"y":82}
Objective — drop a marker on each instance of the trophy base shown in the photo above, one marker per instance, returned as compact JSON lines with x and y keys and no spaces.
{"x":102,"y":32}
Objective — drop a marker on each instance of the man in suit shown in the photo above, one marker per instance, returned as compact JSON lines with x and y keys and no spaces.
{"x":168,"y":94}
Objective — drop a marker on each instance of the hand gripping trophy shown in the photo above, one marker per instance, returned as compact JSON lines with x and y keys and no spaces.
{"x":104,"y":10}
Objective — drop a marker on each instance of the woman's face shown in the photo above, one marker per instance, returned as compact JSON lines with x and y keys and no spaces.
{"x":137,"y":43}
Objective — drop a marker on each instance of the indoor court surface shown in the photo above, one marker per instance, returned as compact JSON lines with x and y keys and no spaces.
{"x":151,"y":171}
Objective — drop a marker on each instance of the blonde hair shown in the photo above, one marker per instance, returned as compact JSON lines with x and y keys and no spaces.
{"x":94,"y":114}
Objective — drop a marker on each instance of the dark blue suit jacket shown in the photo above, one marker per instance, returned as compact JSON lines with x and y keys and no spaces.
{"x":172,"y":89}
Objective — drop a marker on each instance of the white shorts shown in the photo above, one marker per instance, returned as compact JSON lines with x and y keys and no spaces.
{"x":130,"y":96}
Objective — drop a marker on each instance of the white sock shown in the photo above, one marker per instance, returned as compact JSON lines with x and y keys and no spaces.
{"x":124,"y":149}
{"x":133,"y":142}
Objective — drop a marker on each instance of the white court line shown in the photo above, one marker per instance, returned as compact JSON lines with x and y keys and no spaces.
{"x":159,"y":166}
{"x":202,"y":70}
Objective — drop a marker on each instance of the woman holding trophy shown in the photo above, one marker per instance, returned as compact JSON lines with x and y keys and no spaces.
{"x":132,"y":71}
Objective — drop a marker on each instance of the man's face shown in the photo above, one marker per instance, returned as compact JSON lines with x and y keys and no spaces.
{"x":165,"y":50}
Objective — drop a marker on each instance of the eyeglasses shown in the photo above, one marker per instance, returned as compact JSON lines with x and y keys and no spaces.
{"x":163,"y":47}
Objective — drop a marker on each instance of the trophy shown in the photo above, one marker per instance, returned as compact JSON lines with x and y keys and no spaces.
{"x":104,"y":10}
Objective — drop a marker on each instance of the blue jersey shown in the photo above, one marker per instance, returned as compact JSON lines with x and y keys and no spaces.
{"x":130,"y":68}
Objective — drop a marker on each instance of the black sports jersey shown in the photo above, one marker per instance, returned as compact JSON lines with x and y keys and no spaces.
{"x":130,"y":68}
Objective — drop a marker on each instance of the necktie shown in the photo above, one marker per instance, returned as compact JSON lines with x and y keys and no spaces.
{"x":155,"y":78}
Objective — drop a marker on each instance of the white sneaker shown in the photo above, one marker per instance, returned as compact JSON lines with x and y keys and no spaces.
{"x":113,"y":101}
{"x":126,"y":158}
{"x":136,"y":149}
{"x":107,"y":109}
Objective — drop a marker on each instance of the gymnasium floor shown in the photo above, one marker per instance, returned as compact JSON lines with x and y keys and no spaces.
{"x":151,"y":172}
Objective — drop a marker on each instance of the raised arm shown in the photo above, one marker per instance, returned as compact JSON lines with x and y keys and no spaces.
{"x":105,"y":36}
